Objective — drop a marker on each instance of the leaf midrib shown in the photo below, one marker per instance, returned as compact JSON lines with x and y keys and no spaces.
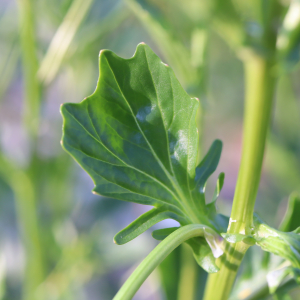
{"x":184,"y":203}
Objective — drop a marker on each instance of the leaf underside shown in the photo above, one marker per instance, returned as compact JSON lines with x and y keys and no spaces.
{"x":136,"y":136}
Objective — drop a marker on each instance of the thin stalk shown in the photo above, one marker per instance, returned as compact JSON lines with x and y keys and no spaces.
{"x":62,"y":40}
{"x":260,"y":84}
{"x":30,"y":66}
{"x":25,"y":197}
{"x":22,"y":181}
{"x":156,"y":256}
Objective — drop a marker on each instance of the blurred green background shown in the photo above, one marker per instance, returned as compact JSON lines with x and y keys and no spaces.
{"x":56,"y":237}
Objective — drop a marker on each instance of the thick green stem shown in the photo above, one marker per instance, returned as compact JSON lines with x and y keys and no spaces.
{"x":260,"y":84}
{"x":224,"y":279}
{"x":157,"y":255}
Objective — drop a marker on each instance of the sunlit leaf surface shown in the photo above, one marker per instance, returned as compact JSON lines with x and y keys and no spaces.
{"x":137,"y":138}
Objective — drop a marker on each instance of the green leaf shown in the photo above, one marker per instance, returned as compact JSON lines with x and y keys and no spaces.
{"x":140,"y":225}
{"x":206,"y":167}
{"x":136,"y":136}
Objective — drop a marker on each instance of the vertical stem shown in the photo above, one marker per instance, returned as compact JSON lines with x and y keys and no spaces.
{"x":30,"y":66}
{"x":260,"y":84}
{"x":25,"y":197}
{"x":224,"y":279}
{"x":23,"y":182}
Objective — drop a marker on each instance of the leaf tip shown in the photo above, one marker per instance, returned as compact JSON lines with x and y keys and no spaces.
{"x":218,"y":143}
{"x":118,"y":239}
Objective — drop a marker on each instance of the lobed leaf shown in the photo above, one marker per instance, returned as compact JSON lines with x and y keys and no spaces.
{"x":136,"y":136}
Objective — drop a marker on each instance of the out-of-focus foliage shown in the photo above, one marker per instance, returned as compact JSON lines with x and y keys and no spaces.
{"x":56,"y":238}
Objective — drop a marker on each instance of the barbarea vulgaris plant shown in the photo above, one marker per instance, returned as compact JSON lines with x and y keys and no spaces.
{"x":136,"y":136}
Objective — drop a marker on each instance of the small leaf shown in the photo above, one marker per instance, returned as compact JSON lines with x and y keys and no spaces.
{"x":208,"y":165}
{"x":140,"y":225}
{"x":204,"y":170}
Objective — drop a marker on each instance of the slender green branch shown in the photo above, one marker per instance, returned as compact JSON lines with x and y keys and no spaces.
{"x":133,"y":283}
{"x":62,"y":39}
